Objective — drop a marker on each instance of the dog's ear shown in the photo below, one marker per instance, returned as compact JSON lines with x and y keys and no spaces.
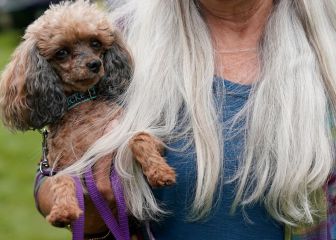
{"x":30,"y":91}
{"x":45,"y":95}
{"x":118,"y":68}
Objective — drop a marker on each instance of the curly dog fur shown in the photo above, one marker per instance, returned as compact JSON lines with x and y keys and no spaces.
{"x":69,"y":49}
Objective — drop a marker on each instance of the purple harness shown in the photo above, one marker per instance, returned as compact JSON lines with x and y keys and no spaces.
{"x":119,"y":228}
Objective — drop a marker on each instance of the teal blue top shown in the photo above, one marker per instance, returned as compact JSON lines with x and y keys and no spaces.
{"x":254,"y":223}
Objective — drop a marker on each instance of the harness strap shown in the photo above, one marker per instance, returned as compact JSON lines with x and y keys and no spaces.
{"x":121,"y":203}
{"x":78,"y":225}
{"x":119,"y":230}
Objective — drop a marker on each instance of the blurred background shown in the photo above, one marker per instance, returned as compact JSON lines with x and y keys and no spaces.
{"x":19,"y":153}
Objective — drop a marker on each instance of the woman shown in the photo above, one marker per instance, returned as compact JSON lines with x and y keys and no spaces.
{"x":249,"y":151}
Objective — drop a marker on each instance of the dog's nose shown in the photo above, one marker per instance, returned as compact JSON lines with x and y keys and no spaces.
{"x":94,"y":66}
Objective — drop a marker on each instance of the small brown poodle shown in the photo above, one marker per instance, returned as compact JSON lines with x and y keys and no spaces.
{"x":70,"y":56}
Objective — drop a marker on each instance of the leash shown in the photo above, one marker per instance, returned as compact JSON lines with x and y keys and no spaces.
{"x":120,"y":228}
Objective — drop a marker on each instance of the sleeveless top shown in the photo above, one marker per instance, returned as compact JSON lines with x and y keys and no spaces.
{"x":251,"y":223}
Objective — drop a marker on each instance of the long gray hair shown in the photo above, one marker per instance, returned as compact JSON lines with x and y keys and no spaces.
{"x":289,"y":148}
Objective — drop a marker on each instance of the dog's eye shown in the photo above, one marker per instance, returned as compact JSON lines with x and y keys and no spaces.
{"x":95,"y":44}
{"x":62,"y":54}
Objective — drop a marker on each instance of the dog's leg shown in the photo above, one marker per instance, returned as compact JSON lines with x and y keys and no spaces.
{"x":65,"y":205}
{"x":146,"y":150}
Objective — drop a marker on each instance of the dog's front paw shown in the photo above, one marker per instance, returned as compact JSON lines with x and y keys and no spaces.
{"x":61,"y":216}
{"x":161,"y":174}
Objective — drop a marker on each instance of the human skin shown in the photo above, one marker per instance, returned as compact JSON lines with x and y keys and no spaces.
{"x":236,"y":25}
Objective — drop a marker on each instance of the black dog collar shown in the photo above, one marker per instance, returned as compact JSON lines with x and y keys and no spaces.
{"x":80,"y":97}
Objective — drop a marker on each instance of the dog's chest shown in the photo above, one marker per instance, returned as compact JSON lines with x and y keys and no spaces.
{"x":71,"y":137}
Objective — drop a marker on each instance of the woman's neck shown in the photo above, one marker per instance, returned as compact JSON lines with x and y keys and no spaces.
{"x":236,"y":27}
{"x":236,"y":22}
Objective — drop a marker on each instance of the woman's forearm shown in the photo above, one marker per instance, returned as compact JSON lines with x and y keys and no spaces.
{"x":44,"y":197}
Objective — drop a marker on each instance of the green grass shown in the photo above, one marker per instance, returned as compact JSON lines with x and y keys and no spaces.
{"x":19,"y":154}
